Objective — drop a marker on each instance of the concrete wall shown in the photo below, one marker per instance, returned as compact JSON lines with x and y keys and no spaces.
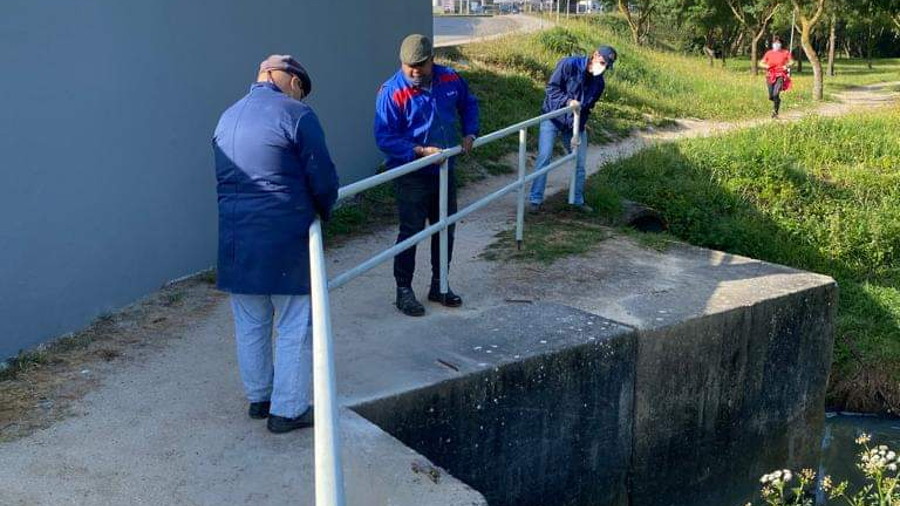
{"x":685,"y":414}
{"x":108,"y":109}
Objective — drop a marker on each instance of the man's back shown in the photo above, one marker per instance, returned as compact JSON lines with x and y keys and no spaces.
{"x":274,"y":174}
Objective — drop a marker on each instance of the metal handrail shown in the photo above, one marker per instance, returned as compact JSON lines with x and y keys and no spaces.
{"x":329,"y":477}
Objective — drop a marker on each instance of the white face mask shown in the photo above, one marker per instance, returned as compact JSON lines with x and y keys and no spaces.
{"x":597,"y":69}
{"x":776,"y":46}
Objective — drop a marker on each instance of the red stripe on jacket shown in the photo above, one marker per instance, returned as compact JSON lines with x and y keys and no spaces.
{"x":402,"y":96}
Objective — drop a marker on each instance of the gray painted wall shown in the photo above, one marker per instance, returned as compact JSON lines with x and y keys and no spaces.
{"x":107,"y":112}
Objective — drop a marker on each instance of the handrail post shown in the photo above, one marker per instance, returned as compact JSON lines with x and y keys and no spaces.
{"x":328,"y":468}
{"x":442,"y":205}
{"x":575,"y":145}
{"x":520,"y":207}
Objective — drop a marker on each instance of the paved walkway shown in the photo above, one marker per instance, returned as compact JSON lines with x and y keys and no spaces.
{"x":453,"y":31}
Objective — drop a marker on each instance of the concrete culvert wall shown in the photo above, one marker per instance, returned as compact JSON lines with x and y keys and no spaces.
{"x":554,"y":429}
{"x":689,"y":413}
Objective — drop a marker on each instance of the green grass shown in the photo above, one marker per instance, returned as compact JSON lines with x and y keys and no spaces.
{"x":648,"y":87}
{"x":821,"y":195}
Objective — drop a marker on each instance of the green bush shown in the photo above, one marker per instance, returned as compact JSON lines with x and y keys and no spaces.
{"x":560,"y":41}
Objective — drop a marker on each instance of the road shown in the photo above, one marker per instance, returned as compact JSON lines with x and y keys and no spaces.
{"x":452,"y":31}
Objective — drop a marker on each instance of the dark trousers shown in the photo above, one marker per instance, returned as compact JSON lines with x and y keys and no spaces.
{"x":775,"y":93}
{"x":418,"y":199}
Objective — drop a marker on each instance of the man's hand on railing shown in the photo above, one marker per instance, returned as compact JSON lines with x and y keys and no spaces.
{"x":574,"y":103}
{"x":467,"y":143}
{"x":423,"y":151}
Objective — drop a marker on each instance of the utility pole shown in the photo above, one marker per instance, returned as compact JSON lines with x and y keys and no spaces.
{"x":557,"y":11}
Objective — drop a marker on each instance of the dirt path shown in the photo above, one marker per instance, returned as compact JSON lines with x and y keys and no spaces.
{"x":149,"y":422}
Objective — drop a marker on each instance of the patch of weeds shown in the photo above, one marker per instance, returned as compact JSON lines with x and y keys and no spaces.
{"x":660,"y":242}
{"x":559,"y":40}
{"x":108,"y":354}
{"x":208,"y":276}
{"x":169,"y":299}
{"x":555,"y":233}
{"x":23,"y":362}
{"x":363,"y":213}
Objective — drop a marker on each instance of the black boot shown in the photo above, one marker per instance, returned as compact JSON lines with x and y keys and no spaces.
{"x":448,"y":299}
{"x":407,"y":303}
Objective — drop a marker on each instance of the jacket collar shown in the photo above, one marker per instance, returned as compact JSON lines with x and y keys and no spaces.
{"x":263,"y":85}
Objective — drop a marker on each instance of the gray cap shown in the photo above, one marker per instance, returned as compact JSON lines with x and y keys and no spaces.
{"x":415,"y":49}
{"x":287,"y":63}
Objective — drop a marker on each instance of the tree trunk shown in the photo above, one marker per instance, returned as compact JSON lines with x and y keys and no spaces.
{"x":754,"y":52}
{"x":806,"y":42}
{"x":710,"y":53}
{"x":634,"y":26}
{"x":870,"y":42}
{"x":832,"y":40}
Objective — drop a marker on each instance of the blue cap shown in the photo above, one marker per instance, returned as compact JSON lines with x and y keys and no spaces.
{"x":609,"y":54}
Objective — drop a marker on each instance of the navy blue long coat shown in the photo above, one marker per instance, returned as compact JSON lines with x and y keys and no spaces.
{"x":274,"y":175}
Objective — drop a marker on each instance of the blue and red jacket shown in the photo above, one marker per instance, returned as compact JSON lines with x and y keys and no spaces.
{"x":571,"y":81}
{"x":407,"y":116}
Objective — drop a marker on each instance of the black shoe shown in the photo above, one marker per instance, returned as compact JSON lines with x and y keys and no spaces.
{"x":448,"y":299}
{"x":280,"y":424}
{"x":407,"y":303}
{"x":259,"y":410}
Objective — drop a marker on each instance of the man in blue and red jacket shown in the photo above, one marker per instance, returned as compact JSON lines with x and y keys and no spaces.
{"x":577,"y":80}
{"x":419,"y":112}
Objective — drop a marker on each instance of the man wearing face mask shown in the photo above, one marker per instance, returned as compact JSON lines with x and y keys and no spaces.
{"x":777,"y":62}
{"x":419,"y":111}
{"x":577,"y":80}
{"x":274,"y":176}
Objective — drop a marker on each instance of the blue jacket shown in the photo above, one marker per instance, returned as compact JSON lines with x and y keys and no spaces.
{"x":570,"y":81}
{"x":274,"y":175}
{"x":406,"y":116}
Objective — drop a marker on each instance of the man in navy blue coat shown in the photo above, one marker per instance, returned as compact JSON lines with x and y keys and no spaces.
{"x":420,"y":111}
{"x":577,"y":80}
{"x":274,"y":176}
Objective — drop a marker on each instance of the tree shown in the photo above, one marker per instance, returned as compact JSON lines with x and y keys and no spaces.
{"x":754,"y":17}
{"x":809,"y":13}
{"x":637,"y":13}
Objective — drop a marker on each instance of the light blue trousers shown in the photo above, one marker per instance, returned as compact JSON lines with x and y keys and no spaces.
{"x":546,"y":140}
{"x":285,"y":377}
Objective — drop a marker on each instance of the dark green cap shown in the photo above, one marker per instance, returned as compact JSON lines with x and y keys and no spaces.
{"x":415,"y":49}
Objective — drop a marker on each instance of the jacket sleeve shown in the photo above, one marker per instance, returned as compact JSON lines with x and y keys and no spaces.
{"x":556,"y":89}
{"x":389,"y":129}
{"x":321,"y":176}
{"x":556,"y":86}
{"x":467,"y":105}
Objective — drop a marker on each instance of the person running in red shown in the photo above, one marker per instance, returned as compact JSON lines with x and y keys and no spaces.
{"x":777,"y":62}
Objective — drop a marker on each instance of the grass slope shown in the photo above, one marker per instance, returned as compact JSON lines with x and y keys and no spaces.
{"x":821,"y":195}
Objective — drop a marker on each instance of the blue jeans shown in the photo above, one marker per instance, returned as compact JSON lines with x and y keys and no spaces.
{"x":546,"y":140}
{"x":286,"y":382}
